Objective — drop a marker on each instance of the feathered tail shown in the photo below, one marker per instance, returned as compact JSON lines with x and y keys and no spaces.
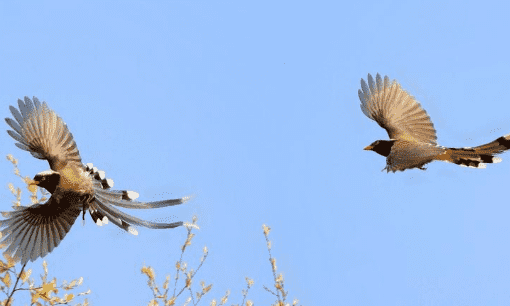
{"x":102,"y":209}
{"x":477,"y":157}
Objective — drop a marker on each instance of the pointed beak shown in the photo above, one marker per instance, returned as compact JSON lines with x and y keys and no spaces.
{"x":34,"y":183}
{"x":368,"y":148}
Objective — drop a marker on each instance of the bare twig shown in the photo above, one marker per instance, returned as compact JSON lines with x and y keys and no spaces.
{"x":272,"y":260}
{"x":15,"y":284}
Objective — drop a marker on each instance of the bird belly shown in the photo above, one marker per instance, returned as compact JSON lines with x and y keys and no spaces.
{"x":407,"y":155}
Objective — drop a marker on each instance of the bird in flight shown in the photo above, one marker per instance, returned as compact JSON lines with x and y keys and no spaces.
{"x":30,"y":232}
{"x":412,"y":135}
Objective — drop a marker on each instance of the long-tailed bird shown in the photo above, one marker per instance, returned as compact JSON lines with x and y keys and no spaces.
{"x":412,"y":135}
{"x":33,"y":231}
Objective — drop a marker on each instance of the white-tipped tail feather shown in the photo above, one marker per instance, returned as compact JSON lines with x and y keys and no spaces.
{"x":130,"y":195}
{"x":133,"y":231}
{"x":102,"y":209}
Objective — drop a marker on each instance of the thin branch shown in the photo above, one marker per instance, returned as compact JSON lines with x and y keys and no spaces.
{"x":199,"y":266}
{"x":272,"y":266}
{"x":180,"y":263}
{"x":245,"y":293}
{"x":191,"y":294}
{"x":269,"y":290}
{"x":15,"y":284}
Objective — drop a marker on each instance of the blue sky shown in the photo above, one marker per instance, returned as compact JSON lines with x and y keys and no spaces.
{"x":253,"y":109}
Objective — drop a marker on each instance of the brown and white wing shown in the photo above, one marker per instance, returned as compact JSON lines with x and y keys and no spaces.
{"x":395,"y":110}
{"x":33,"y":231}
{"x":40,"y":131}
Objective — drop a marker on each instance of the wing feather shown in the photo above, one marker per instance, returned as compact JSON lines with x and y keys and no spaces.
{"x":395,"y":110}
{"x":52,"y":238}
{"x":39,"y":130}
{"x":37,"y":104}
{"x":34,"y":231}
{"x":14,"y":125}
{"x":44,"y":240}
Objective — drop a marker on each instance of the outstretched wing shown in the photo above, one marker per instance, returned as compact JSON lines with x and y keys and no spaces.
{"x":395,"y":110}
{"x":40,"y":131}
{"x":33,"y":231}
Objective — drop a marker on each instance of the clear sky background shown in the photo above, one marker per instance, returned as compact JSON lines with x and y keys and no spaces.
{"x":253,"y":109}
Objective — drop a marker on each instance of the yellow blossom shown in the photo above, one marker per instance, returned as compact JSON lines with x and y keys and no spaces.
{"x":206,"y":289}
{"x":250,"y":282}
{"x":273,"y":263}
{"x":266,"y":228}
{"x":153,"y":303}
{"x":6,"y":279}
{"x":25,"y":275}
{"x":225,"y":298}
{"x":68,"y":297}
{"x":167,"y":280}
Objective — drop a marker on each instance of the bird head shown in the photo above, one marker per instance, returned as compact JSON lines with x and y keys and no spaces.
{"x":382,"y":147}
{"x":47,"y":180}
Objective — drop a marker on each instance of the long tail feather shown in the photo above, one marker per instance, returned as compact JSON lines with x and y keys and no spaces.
{"x":478,"y":156}
{"x":105,"y":208}
{"x":106,"y":199}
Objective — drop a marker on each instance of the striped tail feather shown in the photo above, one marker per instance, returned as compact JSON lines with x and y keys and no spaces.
{"x":478,"y":156}
{"x":497,"y":146}
{"x":102,"y":209}
{"x":116,"y":215}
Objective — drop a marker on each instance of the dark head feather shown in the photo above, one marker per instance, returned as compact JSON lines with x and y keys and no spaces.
{"x":47,"y":180}
{"x":382,"y":147}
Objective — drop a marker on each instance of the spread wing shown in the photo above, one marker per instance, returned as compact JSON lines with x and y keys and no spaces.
{"x":40,"y":131}
{"x":33,"y":231}
{"x":395,"y":110}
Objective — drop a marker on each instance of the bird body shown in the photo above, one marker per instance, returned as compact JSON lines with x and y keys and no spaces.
{"x":74,"y":179}
{"x":33,"y":231}
{"x":407,"y":154}
{"x":412,"y":135}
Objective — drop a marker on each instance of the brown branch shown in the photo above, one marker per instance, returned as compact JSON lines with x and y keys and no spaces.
{"x":8,"y":303}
